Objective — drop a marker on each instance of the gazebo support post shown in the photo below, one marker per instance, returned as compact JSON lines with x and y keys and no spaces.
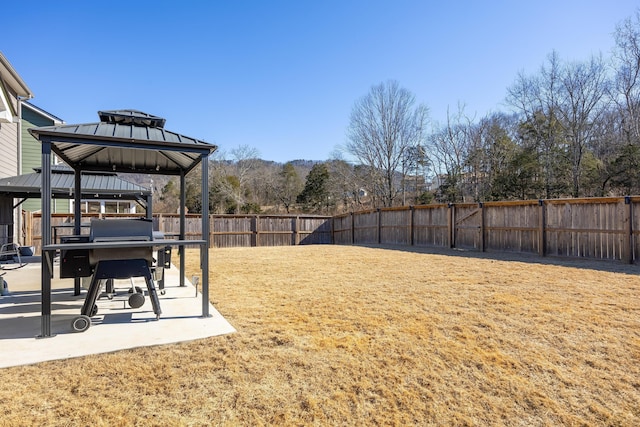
{"x":148,"y":209}
{"x":45,"y":270}
{"x":183,"y":201}
{"x":204,"y":249}
{"x":77,"y":218}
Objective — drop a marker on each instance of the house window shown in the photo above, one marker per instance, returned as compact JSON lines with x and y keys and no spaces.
{"x":91,"y":207}
{"x":107,"y":207}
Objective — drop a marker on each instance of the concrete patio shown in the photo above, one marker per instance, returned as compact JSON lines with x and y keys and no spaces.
{"x":115,"y":327}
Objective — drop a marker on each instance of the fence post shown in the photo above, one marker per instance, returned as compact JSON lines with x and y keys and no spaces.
{"x":482,"y":246}
{"x":212,"y":232}
{"x":353,"y":229}
{"x":629,"y":229}
{"x":379,"y":226}
{"x":28,"y":228}
{"x":332,"y":230}
{"x":451,"y":229}
{"x":296,"y":233}
{"x":412,"y":211}
{"x":256,"y":237}
{"x":542,"y":233}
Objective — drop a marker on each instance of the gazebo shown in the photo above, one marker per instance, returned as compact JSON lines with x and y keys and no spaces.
{"x":123,"y":141}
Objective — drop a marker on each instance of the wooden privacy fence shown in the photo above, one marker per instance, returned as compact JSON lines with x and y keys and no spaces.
{"x":225,"y":230}
{"x":269,"y":230}
{"x":598,"y":228}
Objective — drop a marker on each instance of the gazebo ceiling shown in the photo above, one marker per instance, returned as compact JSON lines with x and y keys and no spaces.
{"x":126,"y":141}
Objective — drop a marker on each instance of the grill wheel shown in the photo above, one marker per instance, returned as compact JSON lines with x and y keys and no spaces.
{"x":136,"y":300}
{"x":81,"y":323}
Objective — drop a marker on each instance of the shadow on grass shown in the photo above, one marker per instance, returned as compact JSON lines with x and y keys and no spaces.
{"x":582,"y":263}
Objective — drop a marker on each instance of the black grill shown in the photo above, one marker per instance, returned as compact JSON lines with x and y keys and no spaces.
{"x":108,"y":260}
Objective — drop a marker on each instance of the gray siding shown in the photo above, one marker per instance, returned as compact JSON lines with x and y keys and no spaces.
{"x":8,"y":149}
{"x":9,"y":141}
{"x":9,"y":162}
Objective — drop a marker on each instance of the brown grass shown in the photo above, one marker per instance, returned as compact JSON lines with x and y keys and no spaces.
{"x":334,"y":335}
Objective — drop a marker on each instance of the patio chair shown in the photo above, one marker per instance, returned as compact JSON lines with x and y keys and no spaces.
{"x":9,"y":252}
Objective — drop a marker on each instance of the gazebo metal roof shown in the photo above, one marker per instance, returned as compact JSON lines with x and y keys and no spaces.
{"x":101,"y":185}
{"x":127,"y":141}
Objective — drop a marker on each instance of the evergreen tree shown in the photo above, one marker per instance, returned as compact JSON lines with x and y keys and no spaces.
{"x":315,"y":195}
{"x":626,"y":169}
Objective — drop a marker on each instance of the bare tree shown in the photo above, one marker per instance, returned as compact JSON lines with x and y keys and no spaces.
{"x":286,"y":186}
{"x":383,"y":125}
{"x":414,"y":166}
{"x":626,"y":87}
{"x":245,"y":159}
{"x":536,"y":99}
{"x":232,"y":179}
{"x":449,"y":146}
{"x":560,"y":106}
{"x":582,"y":103}
{"x":344,"y":185}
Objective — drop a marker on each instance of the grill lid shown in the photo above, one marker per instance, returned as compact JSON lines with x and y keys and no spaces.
{"x":110,"y":230}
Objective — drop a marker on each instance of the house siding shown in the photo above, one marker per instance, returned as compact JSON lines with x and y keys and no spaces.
{"x":31,"y":147}
{"x":8,"y":167}
{"x":8,"y":151}
{"x":31,"y":156}
{"x":9,"y":141}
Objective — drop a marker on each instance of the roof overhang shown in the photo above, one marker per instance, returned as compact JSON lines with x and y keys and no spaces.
{"x":11,"y":77}
{"x":56,"y":120}
{"x":6,"y":111}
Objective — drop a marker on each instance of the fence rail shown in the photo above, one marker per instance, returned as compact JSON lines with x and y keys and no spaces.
{"x":225,"y":230}
{"x":596,"y":228}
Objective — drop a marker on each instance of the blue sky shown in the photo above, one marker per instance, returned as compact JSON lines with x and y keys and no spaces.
{"x":282,"y":76}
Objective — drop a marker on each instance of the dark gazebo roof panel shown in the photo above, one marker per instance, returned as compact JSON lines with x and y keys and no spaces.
{"x":63,"y":184}
{"x":131,"y":117}
{"x":124,"y":141}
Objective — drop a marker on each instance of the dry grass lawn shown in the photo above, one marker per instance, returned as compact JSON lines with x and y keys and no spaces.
{"x":336,"y":335}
